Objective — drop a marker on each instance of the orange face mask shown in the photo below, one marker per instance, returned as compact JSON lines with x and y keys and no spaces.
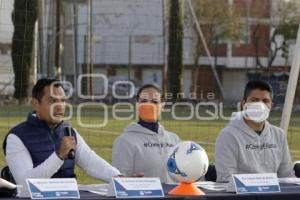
{"x":149,"y":112}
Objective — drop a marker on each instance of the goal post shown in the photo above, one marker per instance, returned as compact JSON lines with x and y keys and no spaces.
{"x":291,"y":88}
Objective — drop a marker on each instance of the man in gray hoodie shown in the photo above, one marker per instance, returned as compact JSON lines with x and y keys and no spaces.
{"x":249,"y":143}
{"x":142,"y":149}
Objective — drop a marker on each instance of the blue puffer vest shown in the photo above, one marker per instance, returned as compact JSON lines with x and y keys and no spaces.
{"x":41,"y":142}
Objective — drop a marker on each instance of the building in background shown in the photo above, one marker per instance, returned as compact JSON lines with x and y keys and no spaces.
{"x":128,"y":39}
{"x":6,"y":31}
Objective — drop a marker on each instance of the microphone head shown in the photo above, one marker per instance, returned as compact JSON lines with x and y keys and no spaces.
{"x":67,"y":131}
{"x":71,"y":154}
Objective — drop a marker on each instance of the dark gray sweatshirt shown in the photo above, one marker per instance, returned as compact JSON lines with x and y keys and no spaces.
{"x":140,"y":150}
{"x":240,"y":150}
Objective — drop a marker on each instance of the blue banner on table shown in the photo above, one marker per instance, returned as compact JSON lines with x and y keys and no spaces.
{"x":53,"y":188}
{"x":137,"y":187}
{"x":256,"y":183}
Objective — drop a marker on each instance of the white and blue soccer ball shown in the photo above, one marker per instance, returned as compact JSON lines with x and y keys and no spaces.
{"x":187,"y":162}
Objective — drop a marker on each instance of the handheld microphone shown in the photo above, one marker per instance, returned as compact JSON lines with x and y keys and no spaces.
{"x":68,"y":132}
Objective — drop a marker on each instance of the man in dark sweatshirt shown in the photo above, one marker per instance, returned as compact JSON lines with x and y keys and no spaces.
{"x":249,"y":143}
{"x":143,"y":147}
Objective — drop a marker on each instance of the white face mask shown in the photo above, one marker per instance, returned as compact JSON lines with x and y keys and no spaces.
{"x":257,"y":112}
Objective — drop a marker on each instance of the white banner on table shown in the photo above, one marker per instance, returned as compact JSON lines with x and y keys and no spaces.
{"x":53,"y":188}
{"x":136,"y":188}
{"x":254,"y":183}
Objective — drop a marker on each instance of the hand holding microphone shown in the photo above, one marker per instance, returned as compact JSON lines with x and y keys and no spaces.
{"x":67,"y":145}
{"x":68,"y":132}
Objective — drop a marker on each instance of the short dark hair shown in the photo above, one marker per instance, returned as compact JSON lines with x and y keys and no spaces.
{"x":257,"y":84}
{"x":38,"y":88}
{"x":146,"y":86}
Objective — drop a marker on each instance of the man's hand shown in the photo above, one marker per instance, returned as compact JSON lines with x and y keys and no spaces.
{"x":66,"y":145}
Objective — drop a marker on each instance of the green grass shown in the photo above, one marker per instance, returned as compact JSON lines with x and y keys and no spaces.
{"x":101,"y":139}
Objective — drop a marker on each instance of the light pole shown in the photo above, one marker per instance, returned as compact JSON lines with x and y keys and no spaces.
{"x":89,"y":49}
{"x":129,"y":56}
{"x":57,"y":42}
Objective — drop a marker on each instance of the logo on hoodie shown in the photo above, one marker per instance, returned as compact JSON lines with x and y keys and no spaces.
{"x":262,"y":146}
{"x":161,"y":145}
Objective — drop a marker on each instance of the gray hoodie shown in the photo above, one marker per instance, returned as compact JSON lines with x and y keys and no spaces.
{"x":240,"y":150}
{"x":140,"y":150}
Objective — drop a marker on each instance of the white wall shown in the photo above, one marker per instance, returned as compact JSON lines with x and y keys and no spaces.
{"x":6,"y":32}
{"x":187,"y":82}
{"x":6,"y":75}
{"x":6,"y":27}
{"x":152,"y":76}
{"x":234,"y":83}
{"x":114,"y":22}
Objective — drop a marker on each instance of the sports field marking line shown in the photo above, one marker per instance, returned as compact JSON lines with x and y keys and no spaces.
{"x":295,"y":151}
{"x":101,"y":131}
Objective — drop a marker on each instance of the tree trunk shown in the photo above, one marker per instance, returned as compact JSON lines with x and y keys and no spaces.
{"x":23,"y":17}
{"x":175,"y":61}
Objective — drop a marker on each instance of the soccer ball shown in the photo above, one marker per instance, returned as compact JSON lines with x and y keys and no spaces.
{"x":187,"y":162}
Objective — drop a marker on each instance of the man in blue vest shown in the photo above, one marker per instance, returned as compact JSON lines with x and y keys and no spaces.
{"x":40,"y":147}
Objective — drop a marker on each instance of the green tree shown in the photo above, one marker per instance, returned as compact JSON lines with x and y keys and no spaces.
{"x":175,"y":63}
{"x":24,"y":17}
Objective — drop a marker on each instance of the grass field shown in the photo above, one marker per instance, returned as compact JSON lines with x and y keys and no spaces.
{"x":100,"y":139}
